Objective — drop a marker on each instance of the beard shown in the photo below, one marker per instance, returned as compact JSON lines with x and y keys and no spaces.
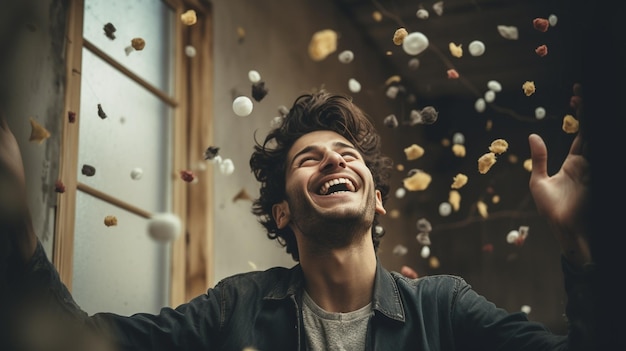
{"x":331,"y":230}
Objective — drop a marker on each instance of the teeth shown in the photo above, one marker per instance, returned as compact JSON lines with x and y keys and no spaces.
{"x":328,"y":184}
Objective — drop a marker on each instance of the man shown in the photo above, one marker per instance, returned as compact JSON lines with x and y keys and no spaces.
{"x":323,"y":185}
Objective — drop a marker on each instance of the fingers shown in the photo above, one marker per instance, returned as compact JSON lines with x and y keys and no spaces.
{"x":539,"y":156}
{"x":577,"y":146}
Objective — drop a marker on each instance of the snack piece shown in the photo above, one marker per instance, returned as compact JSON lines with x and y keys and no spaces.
{"x":508,"y":32}
{"x":419,"y":180}
{"x":433,"y":262}
{"x":377,"y":16}
{"x":391,"y":121}
{"x":259,"y":91}
{"x":455,"y":50}
{"x":110,"y":221}
{"x":458,"y":150}
{"x":541,"y":50}
{"x":109,"y":30}
{"x":322,"y":44}
{"x":482,"y":209}
{"x":189,"y":17}
{"x":138,"y":44}
{"x":38,"y":133}
{"x":485,"y":162}
{"x":88,"y":170}
{"x":570,"y":124}
{"x":187,"y":176}
{"x":59,"y":187}
{"x":399,"y":35}
{"x":529,"y":88}
{"x":423,"y":225}
{"x":541,"y":24}
{"x":459,"y":181}
{"x":528,"y":165}
{"x":454,"y":198}
{"x":414,"y":152}
{"x":400,"y":250}
{"x":498,"y":146}
{"x":423,"y":238}
{"x":452,"y":74}
{"x":211,"y":152}
{"x":101,"y":112}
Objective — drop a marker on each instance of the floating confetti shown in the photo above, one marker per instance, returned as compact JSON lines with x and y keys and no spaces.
{"x":242,"y":106}
{"x":414,"y":43}
{"x":88,"y":170}
{"x":101,"y":112}
{"x":164,"y":227}
{"x":136,"y":173}
{"x":189,"y":17}
{"x":508,"y":32}
{"x":110,"y":221}
{"x":570,"y":124}
{"x":399,"y":35}
{"x":259,"y":91}
{"x":541,"y":50}
{"x":455,"y":50}
{"x":476,"y":48}
{"x":109,"y":31}
{"x":187,"y":176}
{"x":346,"y":56}
{"x":529,"y":88}
{"x":38,"y":133}
{"x":322,"y":44}
{"x":413,"y":152}
{"x":541,"y":24}
{"x":485,"y":162}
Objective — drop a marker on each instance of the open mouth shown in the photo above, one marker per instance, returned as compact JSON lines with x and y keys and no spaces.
{"x":337,"y":185}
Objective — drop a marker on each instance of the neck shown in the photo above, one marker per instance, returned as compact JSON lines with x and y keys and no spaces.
{"x":339,"y":280}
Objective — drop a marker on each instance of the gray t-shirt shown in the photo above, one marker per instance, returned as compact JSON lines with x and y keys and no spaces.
{"x":334,"y":331}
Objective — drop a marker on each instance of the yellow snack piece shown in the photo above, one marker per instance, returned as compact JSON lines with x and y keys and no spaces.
{"x":189,"y":17}
{"x":498,"y":146}
{"x":482,"y":209}
{"x":399,"y":35}
{"x":495,"y":199}
{"x":400,"y":167}
{"x":458,"y":150}
{"x":414,"y":152}
{"x":377,"y":16}
{"x":454,"y":198}
{"x":455,"y":50}
{"x":393,"y":79}
{"x":459,"y":181}
{"x":529,"y":88}
{"x":528,"y":165}
{"x":138,"y":44}
{"x":570,"y":124}
{"x":485,"y":162}
{"x":418,"y":181}
{"x":323,"y":43}
{"x":110,"y":221}
{"x":433,"y":262}
{"x":38,"y":132}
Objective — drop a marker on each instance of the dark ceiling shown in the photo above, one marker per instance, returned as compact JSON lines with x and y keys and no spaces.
{"x":510,"y":62}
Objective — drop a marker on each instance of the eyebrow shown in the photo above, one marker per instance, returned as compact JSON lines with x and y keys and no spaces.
{"x":336,"y":144}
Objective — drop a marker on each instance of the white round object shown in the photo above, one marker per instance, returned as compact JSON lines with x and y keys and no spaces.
{"x":512,"y":236}
{"x":422,"y":14}
{"x":164,"y":227}
{"x":490,"y":95}
{"x":276,"y":121}
{"x":494,"y":85}
{"x":254,"y":76}
{"x":526,"y":309}
{"x":346,"y":56}
{"x":242,"y":106}
{"x":190,"y":51}
{"x":392,"y":92}
{"x":354,"y":85}
{"x":540,"y":113}
{"x":445,"y":209}
{"x":136,"y":173}
{"x":480,"y":105}
{"x":415,"y":43}
{"x":400,"y":192}
{"x":379,"y":229}
{"x":458,"y":138}
{"x":552,"y":19}
{"x":476,"y":48}
{"x":227,"y":167}
{"x":425,"y":251}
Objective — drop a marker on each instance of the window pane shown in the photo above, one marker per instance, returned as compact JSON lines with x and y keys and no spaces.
{"x":151,"y":20}
{"x":120,"y":268}
{"x":135,"y":134}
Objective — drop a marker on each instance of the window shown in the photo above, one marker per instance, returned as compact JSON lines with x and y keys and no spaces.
{"x":136,"y":109}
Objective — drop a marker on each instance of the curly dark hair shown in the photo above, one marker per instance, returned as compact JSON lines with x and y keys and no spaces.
{"x":312,"y":112}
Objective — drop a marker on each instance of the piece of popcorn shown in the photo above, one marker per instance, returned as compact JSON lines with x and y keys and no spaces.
{"x":459,"y":181}
{"x":482,"y":209}
{"x":189,"y":17}
{"x":414,"y":152}
{"x":455,"y":50}
{"x":498,"y":146}
{"x":529,"y":88}
{"x":38,"y":133}
{"x":399,"y":35}
{"x":454,"y":198}
{"x":322,"y":44}
{"x":485,"y":162}
{"x":528,"y":164}
{"x":110,"y":221}
{"x":458,"y":150}
{"x":418,"y":181}
{"x":570,"y":124}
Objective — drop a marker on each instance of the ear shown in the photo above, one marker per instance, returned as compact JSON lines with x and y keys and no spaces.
{"x":281,"y":214}
{"x":379,"y":203}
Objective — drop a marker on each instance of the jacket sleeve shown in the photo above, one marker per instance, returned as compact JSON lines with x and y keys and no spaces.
{"x":44,"y":316}
{"x":477,"y":321}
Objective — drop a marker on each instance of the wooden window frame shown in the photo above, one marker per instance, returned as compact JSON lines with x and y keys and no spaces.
{"x":191,"y":263}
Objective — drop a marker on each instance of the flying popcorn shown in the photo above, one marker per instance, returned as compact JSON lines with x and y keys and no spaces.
{"x":110,"y":221}
{"x":454,"y":198}
{"x":391,"y":121}
{"x":529,"y":88}
{"x":485,"y":162}
{"x":494,"y":85}
{"x":498,"y":146}
{"x":38,"y":133}
{"x":480,"y":105}
{"x":400,"y":250}
{"x":570,"y":124}
{"x":322,"y":44}
{"x":459,"y":181}
{"x":423,"y":225}
{"x":422,"y":14}
{"x":445,"y":209}
{"x":458,"y":150}
{"x":413,"y":152}
{"x":399,"y":35}
{"x":88,"y":170}
{"x":259,"y":91}
{"x":482,"y":209}
{"x":438,"y":8}
{"x":109,"y":30}
{"x":189,"y":17}
{"x":540,"y":113}
{"x":187,"y":176}
{"x":508,"y":32}
{"x":455,"y":50}
{"x":136,"y":173}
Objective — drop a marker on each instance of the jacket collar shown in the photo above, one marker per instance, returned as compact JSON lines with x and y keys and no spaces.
{"x":385,"y":302}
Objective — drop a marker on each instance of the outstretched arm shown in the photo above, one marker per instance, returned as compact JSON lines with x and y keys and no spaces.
{"x":563,"y":198}
{"x":15,"y":220}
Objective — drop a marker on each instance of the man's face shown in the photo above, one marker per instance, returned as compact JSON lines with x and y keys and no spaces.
{"x":329,"y":188}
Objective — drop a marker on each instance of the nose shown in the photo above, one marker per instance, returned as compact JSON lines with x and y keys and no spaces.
{"x":332,"y":160}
